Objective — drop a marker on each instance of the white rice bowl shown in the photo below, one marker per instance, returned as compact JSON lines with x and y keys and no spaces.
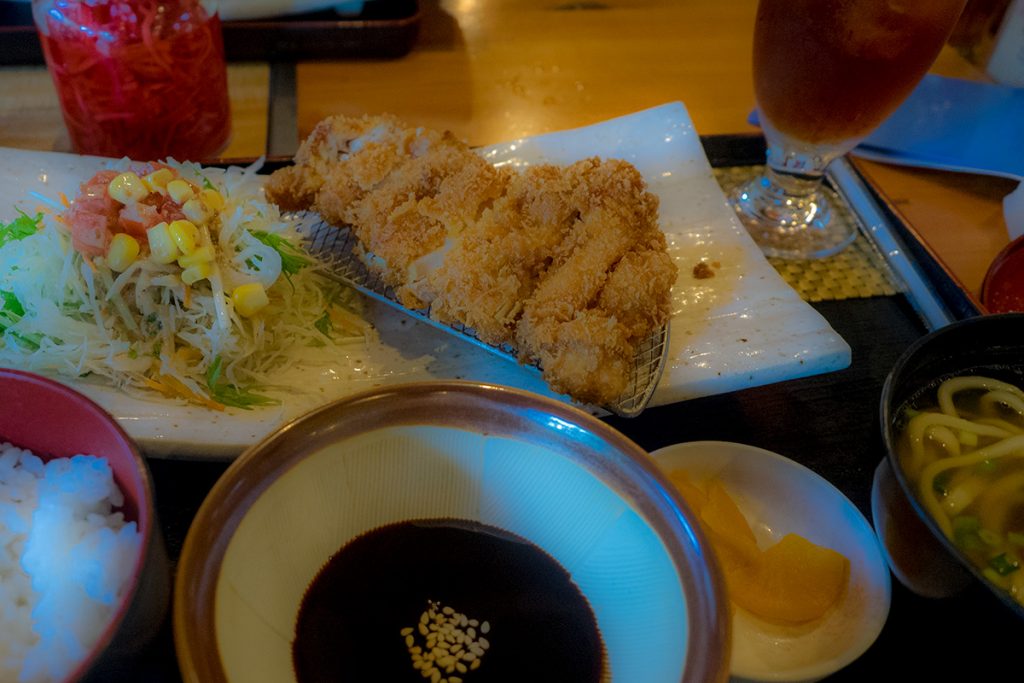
{"x":65,"y":560}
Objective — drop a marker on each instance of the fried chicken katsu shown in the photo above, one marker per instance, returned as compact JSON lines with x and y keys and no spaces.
{"x":566,"y":264}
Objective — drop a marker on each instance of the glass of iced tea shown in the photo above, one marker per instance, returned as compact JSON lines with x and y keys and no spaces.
{"x":826,"y":73}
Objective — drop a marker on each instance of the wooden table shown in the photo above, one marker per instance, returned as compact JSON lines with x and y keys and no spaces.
{"x":492,"y":70}
{"x":497,"y":69}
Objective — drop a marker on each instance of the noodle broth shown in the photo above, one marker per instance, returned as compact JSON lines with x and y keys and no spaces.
{"x":960,"y":443}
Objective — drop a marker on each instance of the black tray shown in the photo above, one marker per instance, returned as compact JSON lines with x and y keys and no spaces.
{"x":828,"y":423}
{"x":384,"y":29}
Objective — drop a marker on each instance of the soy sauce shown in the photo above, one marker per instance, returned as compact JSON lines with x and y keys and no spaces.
{"x":370,"y":606}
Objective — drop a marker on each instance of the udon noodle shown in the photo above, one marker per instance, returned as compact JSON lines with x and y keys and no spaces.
{"x":964,"y":452}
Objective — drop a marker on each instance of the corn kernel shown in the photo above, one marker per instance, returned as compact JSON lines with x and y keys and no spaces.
{"x":195,"y":211}
{"x":123,"y":251}
{"x":203,"y":254}
{"x":212,"y":199}
{"x":162,"y":248}
{"x":158,"y":179}
{"x":249,"y":299}
{"x":199,"y":271}
{"x":185,"y":235}
{"x":127,"y":188}
{"x":180,"y":191}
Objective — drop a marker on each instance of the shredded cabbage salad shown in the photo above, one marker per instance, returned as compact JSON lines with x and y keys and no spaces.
{"x":75,"y":301}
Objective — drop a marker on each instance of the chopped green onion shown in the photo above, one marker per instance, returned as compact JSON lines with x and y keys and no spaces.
{"x":965,"y":532}
{"x":1003,"y":565}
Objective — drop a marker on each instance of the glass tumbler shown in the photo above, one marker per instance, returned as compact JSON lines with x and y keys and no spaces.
{"x":139,"y":78}
{"x":826,"y":73}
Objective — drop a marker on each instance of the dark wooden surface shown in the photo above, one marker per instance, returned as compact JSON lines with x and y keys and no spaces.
{"x":828,"y":423}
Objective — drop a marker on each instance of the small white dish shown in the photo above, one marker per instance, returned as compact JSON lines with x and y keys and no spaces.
{"x":779,"y":496}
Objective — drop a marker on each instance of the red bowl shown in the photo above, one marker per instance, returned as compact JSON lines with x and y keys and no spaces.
{"x":54,"y":421}
{"x":1002,"y":290}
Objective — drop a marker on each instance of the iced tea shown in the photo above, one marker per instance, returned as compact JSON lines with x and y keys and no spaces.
{"x":827,"y":71}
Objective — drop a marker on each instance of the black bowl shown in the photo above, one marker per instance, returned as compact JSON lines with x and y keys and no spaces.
{"x":991,"y":345}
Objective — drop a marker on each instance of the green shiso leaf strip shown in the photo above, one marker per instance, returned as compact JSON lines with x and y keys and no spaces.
{"x":20,"y":228}
{"x":293,"y":258}
{"x":231,"y":394}
{"x":11,"y":311}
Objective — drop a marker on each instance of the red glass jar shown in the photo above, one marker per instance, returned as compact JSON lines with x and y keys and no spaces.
{"x":139,"y":78}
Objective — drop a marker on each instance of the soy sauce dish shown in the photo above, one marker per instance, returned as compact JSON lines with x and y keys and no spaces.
{"x":448,"y":532}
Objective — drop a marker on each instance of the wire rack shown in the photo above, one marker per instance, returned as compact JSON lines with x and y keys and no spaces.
{"x":336,"y":248}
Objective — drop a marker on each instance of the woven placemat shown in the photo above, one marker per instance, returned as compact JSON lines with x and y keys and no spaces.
{"x":859,"y":271}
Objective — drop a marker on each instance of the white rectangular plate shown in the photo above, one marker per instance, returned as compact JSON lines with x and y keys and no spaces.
{"x":743,"y":327}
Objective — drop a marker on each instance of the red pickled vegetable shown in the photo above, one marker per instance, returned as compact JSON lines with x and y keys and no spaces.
{"x":139,"y":78}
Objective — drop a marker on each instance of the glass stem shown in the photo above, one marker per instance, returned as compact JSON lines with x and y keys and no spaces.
{"x":785,"y":184}
{"x":786,"y":210}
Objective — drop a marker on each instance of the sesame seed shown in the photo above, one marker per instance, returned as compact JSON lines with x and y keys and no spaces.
{"x":449,"y":638}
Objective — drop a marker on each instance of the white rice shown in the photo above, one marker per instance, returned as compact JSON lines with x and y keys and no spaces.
{"x":65,"y":559}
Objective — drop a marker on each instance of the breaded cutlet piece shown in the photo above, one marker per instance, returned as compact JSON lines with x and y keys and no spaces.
{"x":493,"y":268}
{"x":566,"y":263}
{"x":568,"y":324}
{"x":357,"y":152}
